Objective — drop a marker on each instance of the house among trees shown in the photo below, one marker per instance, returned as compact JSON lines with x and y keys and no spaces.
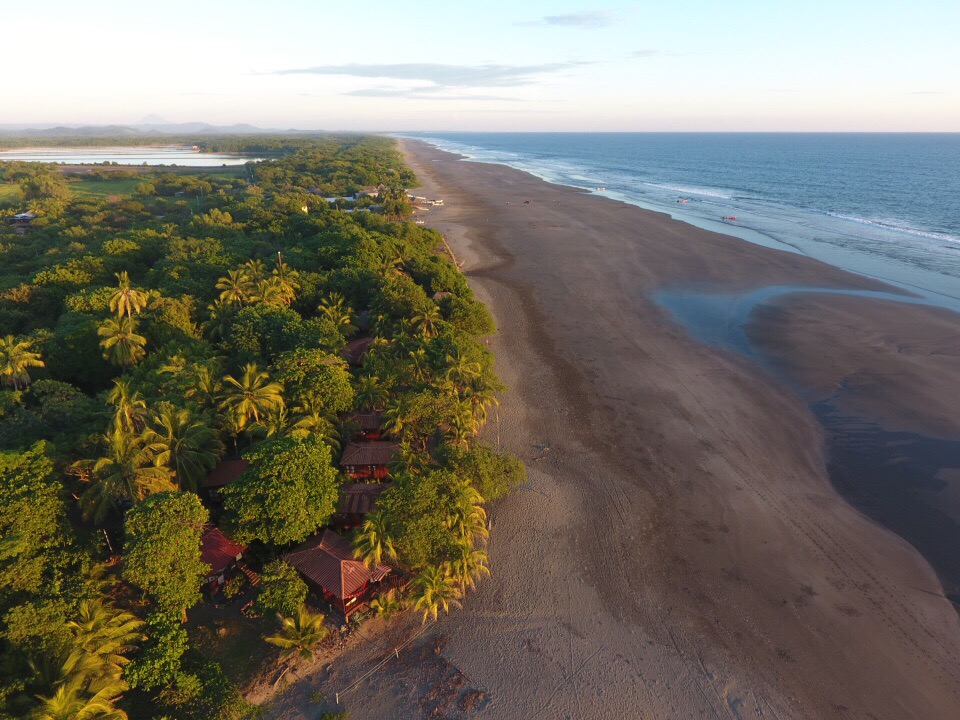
{"x":23,"y":218}
{"x":368,"y":191}
{"x":356,"y":350}
{"x":327,"y":565}
{"x":222,"y":555}
{"x":369,"y":425}
{"x":222,"y":475}
{"x":369,"y":460}
{"x":357,"y":500}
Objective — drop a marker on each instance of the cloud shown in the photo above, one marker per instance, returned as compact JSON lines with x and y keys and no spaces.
{"x":430,"y":92}
{"x":924,"y":92}
{"x":644,"y":53}
{"x":451,"y":76}
{"x":590,"y":20}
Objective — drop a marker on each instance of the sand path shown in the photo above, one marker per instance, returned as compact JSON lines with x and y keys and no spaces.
{"x":678,"y":551}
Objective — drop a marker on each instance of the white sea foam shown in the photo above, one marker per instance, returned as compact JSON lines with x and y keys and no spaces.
{"x":692,"y":191}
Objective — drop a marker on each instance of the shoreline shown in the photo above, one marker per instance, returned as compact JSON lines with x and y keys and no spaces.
{"x":678,"y":550}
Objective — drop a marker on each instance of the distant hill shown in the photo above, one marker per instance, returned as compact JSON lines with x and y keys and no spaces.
{"x":151,"y":125}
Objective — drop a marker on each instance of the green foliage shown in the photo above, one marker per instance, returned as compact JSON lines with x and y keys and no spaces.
{"x":33,"y":524}
{"x":415,"y":511}
{"x":299,"y":634}
{"x":160,"y":660}
{"x":281,"y":590}
{"x":492,"y":474}
{"x":317,"y":378}
{"x":162,"y":553}
{"x":289,"y":490}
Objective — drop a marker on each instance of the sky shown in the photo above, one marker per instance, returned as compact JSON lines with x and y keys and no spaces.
{"x":696,"y":65}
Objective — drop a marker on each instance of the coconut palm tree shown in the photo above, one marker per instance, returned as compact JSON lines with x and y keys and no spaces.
{"x":467,"y":518}
{"x":386,"y":604}
{"x":70,"y":701}
{"x":370,"y":394}
{"x":206,"y":389}
{"x":184,"y":443}
{"x":463,"y":424}
{"x":427,"y":322}
{"x":299,"y":634}
{"x":121,"y":344}
{"x":373,"y":543}
{"x":397,"y":417}
{"x":288,"y":279}
{"x":468,"y":563}
{"x":461,"y":371}
{"x":103,"y":634}
{"x":221,"y":314}
{"x":252,"y":396}
{"x":335,"y":309}
{"x":270,"y":291}
{"x":434,"y":589}
{"x":255,"y":269}
{"x":125,"y":473}
{"x":127,"y":300}
{"x":16,"y":356}
{"x":236,"y":288}
{"x":131,"y":408}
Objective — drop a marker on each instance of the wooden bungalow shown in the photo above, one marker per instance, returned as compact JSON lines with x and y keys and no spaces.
{"x":222,"y":555}
{"x":369,"y":425}
{"x":369,"y":460}
{"x":327,"y":564}
{"x":357,"y":500}
{"x":356,"y":350}
{"x":222,"y":475}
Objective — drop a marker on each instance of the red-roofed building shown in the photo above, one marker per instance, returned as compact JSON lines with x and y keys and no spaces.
{"x":222,"y":555}
{"x":327,"y":564}
{"x":357,"y":500}
{"x":222,"y":475}
{"x":356,"y":350}
{"x":369,"y":425}
{"x":363,"y":461}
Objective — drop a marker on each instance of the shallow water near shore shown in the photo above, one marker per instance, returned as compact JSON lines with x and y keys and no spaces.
{"x":895,"y":478}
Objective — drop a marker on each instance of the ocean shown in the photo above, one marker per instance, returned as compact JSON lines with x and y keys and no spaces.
{"x":882,"y":205}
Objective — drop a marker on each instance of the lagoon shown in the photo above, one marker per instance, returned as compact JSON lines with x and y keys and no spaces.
{"x":179,"y":155}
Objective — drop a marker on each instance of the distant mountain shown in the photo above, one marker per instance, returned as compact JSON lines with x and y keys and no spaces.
{"x":150,"y":125}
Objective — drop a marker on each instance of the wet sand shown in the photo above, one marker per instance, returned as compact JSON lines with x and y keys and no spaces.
{"x":679,"y":551}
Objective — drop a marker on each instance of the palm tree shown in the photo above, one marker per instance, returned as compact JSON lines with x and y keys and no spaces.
{"x":221,"y":313}
{"x":235,"y":288}
{"x":127,"y":300}
{"x":386,"y":604}
{"x":428,"y":321}
{"x":335,"y":309}
{"x":255,"y":269}
{"x":370,"y":394}
{"x":461,"y":370}
{"x":288,"y":278}
{"x":131,"y":407}
{"x":270,"y":291}
{"x":252,"y":396}
{"x":121,"y":344}
{"x":15,"y":357}
{"x":125,"y":473}
{"x":69,"y":701}
{"x":467,"y":518}
{"x":184,"y":444}
{"x":104,"y":634}
{"x":463,"y":424}
{"x":299,"y":634}
{"x":434,"y":589}
{"x":309,"y":419}
{"x":397,"y":417}
{"x":468,"y":563}
{"x":206,"y":388}
{"x":373,"y":543}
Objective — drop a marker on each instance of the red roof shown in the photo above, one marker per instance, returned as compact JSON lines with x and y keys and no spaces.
{"x":360,"y":498}
{"x":217,"y":550}
{"x":367,"y":421}
{"x":327,"y":560}
{"x":378,"y":452}
{"x":226,"y":472}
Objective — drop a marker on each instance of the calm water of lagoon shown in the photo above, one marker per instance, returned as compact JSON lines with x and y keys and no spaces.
{"x":146,"y":155}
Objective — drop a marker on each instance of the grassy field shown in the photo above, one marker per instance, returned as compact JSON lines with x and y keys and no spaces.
{"x":92,"y":187}
{"x":9,"y":191}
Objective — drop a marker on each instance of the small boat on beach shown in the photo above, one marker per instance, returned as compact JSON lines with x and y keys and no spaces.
{"x":729,"y":217}
{"x":601,"y":188}
{"x":683,"y":200}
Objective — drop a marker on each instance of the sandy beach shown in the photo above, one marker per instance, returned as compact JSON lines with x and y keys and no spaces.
{"x":679,"y":550}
